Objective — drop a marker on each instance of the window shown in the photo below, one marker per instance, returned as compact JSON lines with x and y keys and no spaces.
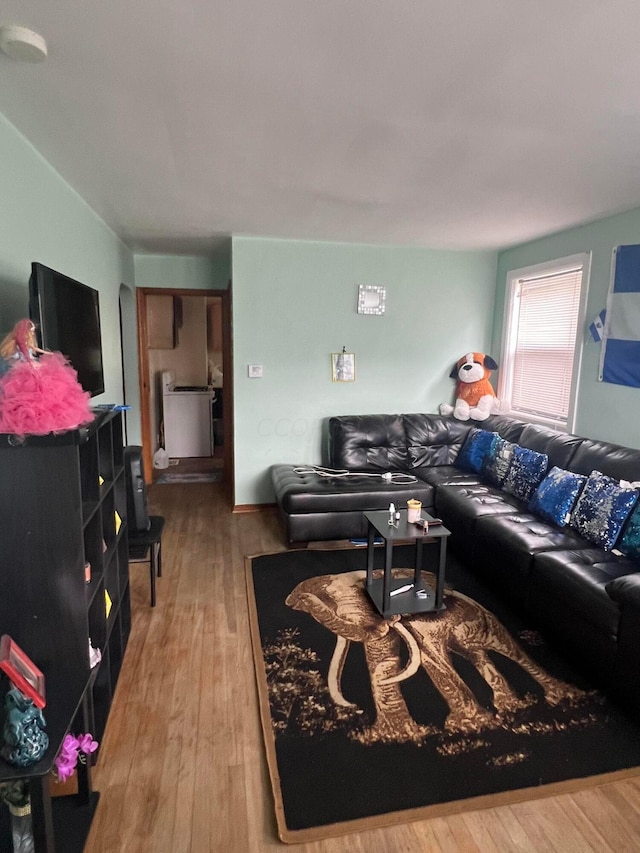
{"x":540,"y":363}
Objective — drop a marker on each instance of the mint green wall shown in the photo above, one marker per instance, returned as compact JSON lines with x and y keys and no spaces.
{"x":188,"y":272}
{"x":295,"y":302}
{"x":43,"y":219}
{"x":605,"y":411}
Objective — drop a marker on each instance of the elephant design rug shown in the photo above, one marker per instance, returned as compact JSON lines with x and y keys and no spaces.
{"x":369,"y":722}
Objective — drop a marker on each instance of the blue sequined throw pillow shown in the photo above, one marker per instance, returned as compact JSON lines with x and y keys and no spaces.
{"x":554,"y":498}
{"x":497,"y":461}
{"x":602,"y":509}
{"x":477,"y":445}
{"x":525,"y":473}
{"x":629,"y":544}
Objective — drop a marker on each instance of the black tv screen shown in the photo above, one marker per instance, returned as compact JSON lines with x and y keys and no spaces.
{"x":67,"y":318}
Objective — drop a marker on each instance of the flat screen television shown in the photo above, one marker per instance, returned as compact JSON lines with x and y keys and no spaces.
{"x":67,"y":318}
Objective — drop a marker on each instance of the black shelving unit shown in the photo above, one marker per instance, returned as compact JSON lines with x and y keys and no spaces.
{"x":104,"y":521}
{"x":63,"y":503}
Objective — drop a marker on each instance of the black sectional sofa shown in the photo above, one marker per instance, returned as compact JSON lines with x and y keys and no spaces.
{"x":583,"y":595}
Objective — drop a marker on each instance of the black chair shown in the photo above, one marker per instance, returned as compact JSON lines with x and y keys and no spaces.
{"x":146,"y":546}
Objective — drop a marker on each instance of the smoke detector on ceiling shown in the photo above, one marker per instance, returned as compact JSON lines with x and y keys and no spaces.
{"x":22,"y":44}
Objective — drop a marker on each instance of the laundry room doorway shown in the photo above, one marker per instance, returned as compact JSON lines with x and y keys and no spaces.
{"x":186,"y":390}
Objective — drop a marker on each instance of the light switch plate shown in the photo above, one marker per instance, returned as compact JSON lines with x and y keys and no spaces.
{"x":255,"y":371}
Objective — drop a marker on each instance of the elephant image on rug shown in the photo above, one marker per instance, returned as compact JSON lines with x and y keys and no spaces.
{"x":339,"y":602}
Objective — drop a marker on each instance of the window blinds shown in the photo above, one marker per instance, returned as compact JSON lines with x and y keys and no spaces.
{"x":547,"y":321}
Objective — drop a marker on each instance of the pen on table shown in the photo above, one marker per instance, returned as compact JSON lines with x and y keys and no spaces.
{"x":401,"y":589}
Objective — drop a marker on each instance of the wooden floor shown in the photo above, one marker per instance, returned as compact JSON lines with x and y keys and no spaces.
{"x":182,"y":766}
{"x":193,"y":465}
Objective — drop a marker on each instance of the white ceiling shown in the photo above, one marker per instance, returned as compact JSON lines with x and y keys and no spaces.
{"x":440,"y":123}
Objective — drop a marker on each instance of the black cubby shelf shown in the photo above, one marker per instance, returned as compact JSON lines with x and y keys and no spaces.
{"x":63,"y":502}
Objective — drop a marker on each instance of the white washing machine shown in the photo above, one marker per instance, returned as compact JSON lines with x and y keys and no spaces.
{"x":188,"y":429}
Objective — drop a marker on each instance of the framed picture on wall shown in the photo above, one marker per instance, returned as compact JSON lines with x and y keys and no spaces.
{"x":343,"y":366}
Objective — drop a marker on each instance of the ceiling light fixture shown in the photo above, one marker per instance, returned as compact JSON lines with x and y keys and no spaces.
{"x":22,"y":44}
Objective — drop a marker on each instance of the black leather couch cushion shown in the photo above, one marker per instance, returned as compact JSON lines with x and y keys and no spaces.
{"x":447,"y":475}
{"x":579,"y":578}
{"x":368,"y":443}
{"x":433,"y":439}
{"x":508,"y":543}
{"x":509,"y":429}
{"x":310,"y":493}
{"x":311,"y":526}
{"x":568,"y":599}
{"x":625,"y":591}
{"x":622,"y":463}
{"x":463,"y":506}
{"x":559,"y":447}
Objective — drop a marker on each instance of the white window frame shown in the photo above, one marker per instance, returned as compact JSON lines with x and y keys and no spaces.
{"x":506,"y":377}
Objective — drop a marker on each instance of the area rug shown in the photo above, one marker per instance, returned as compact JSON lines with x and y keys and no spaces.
{"x":369,"y":723}
{"x":176,"y":477}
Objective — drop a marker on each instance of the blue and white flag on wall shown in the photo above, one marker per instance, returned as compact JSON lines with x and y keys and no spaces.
{"x":620,"y":356}
{"x":597,"y":327}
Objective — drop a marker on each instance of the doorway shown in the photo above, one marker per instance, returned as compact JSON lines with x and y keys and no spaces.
{"x":128,"y":354}
{"x":171,"y":324}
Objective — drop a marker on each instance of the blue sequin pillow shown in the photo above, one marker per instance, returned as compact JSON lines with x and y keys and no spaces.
{"x":477,"y":445}
{"x":497,"y":461}
{"x":554,"y":498}
{"x":602,"y":509}
{"x":629,"y":544}
{"x":526,"y":472}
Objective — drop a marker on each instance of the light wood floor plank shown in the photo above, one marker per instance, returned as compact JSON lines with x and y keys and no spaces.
{"x":591,"y":835}
{"x":182,"y":765}
{"x":614,"y":825}
{"x":454,"y":835}
{"x":561,"y":831}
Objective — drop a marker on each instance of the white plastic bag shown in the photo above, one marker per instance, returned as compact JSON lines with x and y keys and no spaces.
{"x":161,"y":458}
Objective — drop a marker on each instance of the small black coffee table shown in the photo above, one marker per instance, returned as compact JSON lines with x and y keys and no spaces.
{"x":380,"y":589}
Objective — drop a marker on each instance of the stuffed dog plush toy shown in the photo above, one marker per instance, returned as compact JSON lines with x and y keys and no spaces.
{"x":475,"y":398}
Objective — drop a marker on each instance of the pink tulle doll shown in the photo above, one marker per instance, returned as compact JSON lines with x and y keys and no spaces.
{"x":39,"y":390}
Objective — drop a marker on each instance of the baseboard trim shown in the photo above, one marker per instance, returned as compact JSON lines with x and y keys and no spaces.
{"x":252,"y":507}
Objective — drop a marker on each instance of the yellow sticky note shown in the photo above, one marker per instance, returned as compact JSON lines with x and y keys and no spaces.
{"x":118,"y":521}
{"x":108,"y":604}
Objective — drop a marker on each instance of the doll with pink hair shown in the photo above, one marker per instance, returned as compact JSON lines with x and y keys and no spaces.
{"x":39,"y":390}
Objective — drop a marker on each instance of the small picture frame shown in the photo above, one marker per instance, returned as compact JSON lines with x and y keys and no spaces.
{"x":22,"y":671}
{"x":343,"y":367}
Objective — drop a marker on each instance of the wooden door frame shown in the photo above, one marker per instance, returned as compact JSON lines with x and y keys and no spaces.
{"x":143,"y":377}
